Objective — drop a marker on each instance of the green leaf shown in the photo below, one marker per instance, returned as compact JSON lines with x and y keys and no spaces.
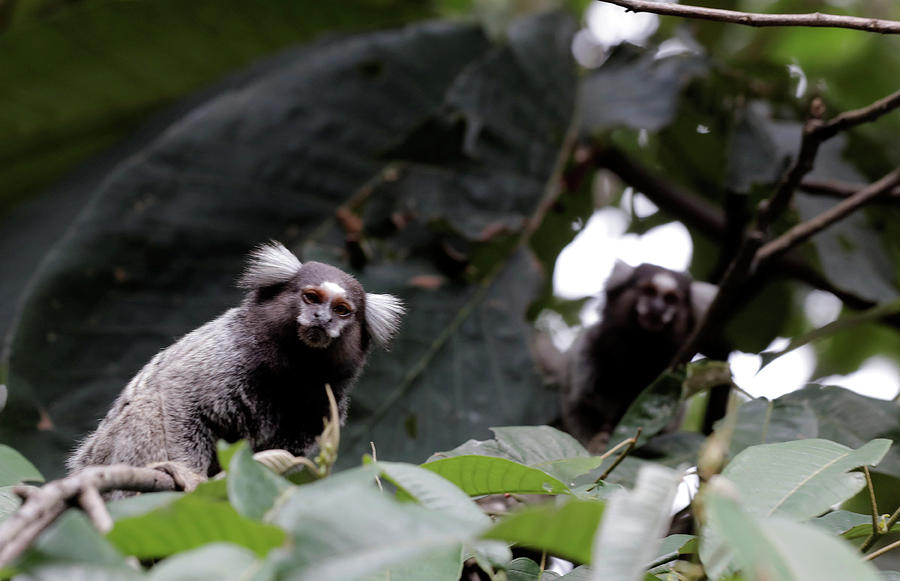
{"x":779,"y":549}
{"x":440,"y":565}
{"x":800,"y":479}
{"x":564,"y":528}
{"x":634,"y":524}
{"x":523,"y":569}
{"x":548,"y":449}
{"x":214,"y":561}
{"x":839,"y":412}
{"x":343,"y":529}
{"x":188,"y":522}
{"x":72,"y":546}
{"x":15,"y":468}
{"x":761,"y":421}
{"x":652,"y":410}
{"x":477,"y":475}
{"x":433,"y":491}
{"x":252,"y":489}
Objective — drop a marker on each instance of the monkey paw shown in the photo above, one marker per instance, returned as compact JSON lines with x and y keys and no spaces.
{"x":185,"y":478}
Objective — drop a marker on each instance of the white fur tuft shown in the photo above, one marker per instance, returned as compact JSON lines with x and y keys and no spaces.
{"x":269,"y":264}
{"x":383,"y":314}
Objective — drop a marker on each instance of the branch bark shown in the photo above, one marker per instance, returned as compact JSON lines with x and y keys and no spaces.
{"x":42,"y":506}
{"x":839,"y":189}
{"x":805,"y":230}
{"x":815,"y":19}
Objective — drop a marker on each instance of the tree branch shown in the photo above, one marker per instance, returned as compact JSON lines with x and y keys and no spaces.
{"x":42,"y":506}
{"x":704,"y":217}
{"x":839,"y":189}
{"x":815,"y":19}
{"x":803,"y":231}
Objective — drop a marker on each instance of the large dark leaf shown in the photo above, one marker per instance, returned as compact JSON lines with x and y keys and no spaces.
{"x":852,"y":419}
{"x":453,"y":137}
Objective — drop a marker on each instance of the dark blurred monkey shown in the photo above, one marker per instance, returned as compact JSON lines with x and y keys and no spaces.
{"x":649,"y":313}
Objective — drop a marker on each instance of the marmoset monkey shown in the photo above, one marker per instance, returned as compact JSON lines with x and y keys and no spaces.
{"x":649,"y":313}
{"x":257,"y":372}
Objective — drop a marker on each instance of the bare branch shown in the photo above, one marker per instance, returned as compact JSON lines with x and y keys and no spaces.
{"x":42,"y":506}
{"x":803,"y":231}
{"x":839,"y":189}
{"x":856,"y":117}
{"x":815,"y":19}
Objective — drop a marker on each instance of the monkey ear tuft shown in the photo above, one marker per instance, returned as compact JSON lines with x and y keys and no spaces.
{"x":383,"y":313}
{"x":621,"y":274}
{"x":269,"y":264}
{"x":702,"y":295}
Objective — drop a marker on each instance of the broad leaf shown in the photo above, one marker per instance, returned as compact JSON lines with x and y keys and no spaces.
{"x":188,"y":522}
{"x":252,"y":488}
{"x":433,"y":491}
{"x":433,"y":123}
{"x":800,"y":479}
{"x":762,"y":422}
{"x":343,"y":528}
{"x":73,"y":547}
{"x":779,"y":549}
{"x":634,"y":523}
{"x":565,"y":528}
{"x":840,"y":414}
{"x":15,"y":468}
{"x":213,"y":561}
{"x":477,"y":475}
{"x":652,"y":410}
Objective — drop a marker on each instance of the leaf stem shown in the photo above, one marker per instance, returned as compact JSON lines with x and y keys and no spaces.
{"x":630,"y":444}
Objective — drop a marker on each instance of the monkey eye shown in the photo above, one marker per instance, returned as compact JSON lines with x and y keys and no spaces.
{"x":341,"y":310}
{"x":312,"y":298}
{"x":670,"y":298}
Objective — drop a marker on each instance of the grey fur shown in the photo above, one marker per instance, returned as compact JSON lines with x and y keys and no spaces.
{"x":256,"y":372}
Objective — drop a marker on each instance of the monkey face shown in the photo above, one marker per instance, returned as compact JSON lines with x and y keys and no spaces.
{"x":326,"y":309}
{"x":659,"y":301}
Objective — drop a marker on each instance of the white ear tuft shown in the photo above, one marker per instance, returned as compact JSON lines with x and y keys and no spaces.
{"x":383,"y":314}
{"x":269,"y":264}
{"x":702,"y":295}
{"x":621,"y":273}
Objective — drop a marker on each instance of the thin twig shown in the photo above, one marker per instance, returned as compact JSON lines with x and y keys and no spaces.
{"x":878,"y":532}
{"x":855,"y":117}
{"x":805,"y":230}
{"x":44,"y":505}
{"x":881,"y":551}
{"x":872,"y":501}
{"x":815,"y":19}
{"x":839,"y":189}
{"x":632,"y":442}
{"x":92,"y":504}
{"x":702,"y":216}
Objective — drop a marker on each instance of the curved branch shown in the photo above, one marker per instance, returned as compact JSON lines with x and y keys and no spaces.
{"x":42,"y":506}
{"x":815,"y":19}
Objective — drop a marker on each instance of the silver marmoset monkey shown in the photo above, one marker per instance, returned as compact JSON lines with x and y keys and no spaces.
{"x":257,"y":372}
{"x":649,"y":313}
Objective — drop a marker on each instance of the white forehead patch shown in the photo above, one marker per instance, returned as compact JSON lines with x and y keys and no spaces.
{"x":664,"y":282}
{"x":334,"y":289}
